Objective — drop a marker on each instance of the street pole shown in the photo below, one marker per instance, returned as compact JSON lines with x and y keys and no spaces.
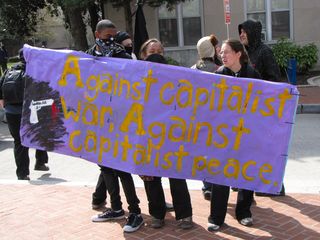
{"x":227,"y":14}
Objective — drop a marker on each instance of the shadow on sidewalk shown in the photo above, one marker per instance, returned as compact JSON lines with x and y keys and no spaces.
{"x":5,"y":144}
{"x":279,"y":225}
{"x":309,"y":210}
{"x":46,"y":179}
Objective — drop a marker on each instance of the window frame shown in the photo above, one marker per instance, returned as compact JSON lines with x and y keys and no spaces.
{"x":179,"y":17}
{"x":268,"y":12}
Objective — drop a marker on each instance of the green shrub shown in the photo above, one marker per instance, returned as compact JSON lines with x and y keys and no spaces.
{"x":306,"y":56}
{"x":171,"y":61}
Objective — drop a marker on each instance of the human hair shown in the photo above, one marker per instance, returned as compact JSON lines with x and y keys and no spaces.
{"x":237,"y":46}
{"x":144,"y":47}
{"x":214,"y":41}
{"x":103,"y":24}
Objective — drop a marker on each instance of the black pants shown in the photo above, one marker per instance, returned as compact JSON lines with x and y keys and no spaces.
{"x":180,"y":198}
{"x":21,"y":153}
{"x":219,"y":204}
{"x":100,"y":194}
{"x":110,"y":179}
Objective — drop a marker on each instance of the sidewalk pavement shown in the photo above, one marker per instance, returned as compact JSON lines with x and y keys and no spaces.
{"x":59,"y":212}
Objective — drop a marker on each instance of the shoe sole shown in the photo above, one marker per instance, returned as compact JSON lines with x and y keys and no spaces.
{"x":186,"y":227}
{"x":247,"y":225}
{"x":132,"y":229}
{"x":211,"y":228}
{"x":107,"y":219}
{"x":156,"y":226}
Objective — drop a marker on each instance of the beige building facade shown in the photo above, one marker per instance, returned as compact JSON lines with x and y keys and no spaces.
{"x":180,"y":29}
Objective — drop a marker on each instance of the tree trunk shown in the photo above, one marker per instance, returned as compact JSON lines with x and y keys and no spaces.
{"x":94,"y":17}
{"x":77,"y":28}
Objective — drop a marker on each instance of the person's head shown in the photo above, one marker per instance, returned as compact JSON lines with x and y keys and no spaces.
{"x":205,"y":48}
{"x":215,"y":43}
{"x":124,"y":39}
{"x":105,"y":30}
{"x":233,"y":54}
{"x":151,"y":46}
{"x":250,"y":32}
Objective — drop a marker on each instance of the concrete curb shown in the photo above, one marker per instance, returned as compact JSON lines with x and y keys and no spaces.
{"x":308,"y":108}
{"x":314,"y":81}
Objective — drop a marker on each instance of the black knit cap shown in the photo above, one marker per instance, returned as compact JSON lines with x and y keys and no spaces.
{"x":121,"y":36}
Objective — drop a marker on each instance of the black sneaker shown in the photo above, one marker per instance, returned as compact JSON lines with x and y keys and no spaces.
{"x":42,"y":167}
{"x":213,"y":227}
{"x":108,"y":215}
{"x":134,"y":222}
{"x":185,"y":223}
{"x":246,"y":221}
{"x":207,"y":195}
{"x":169,"y":207}
{"x":24,"y":178}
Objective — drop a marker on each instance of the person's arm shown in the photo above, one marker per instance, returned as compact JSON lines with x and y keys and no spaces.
{"x":271,"y":69}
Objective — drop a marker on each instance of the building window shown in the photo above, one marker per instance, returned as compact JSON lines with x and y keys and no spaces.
{"x":182,"y":25}
{"x":275,"y":16}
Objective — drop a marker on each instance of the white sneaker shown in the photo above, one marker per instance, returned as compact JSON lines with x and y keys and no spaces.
{"x":213,"y":227}
{"x":246,"y":221}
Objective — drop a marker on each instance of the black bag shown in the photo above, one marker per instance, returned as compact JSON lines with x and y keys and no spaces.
{"x":13,"y":85}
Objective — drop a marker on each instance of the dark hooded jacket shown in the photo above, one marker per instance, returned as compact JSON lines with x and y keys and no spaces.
{"x":260,"y":55}
{"x":246,"y":71}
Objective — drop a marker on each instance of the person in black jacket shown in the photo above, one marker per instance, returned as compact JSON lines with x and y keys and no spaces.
{"x":152,"y":51}
{"x":3,"y":58}
{"x":235,"y":63}
{"x":13,"y":110}
{"x":260,"y":55}
{"x":105,"y":46}
{"x":262,"y":59}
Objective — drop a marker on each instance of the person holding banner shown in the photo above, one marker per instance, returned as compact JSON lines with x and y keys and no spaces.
{"x":109,"y":178}
{"x":125,"y":40}
{"x":209,"y":61}
{"x":235,"y":63}
{"x":152,"y":50}
{"x":260,"y":55}
{"x":262,"y":59}
{"x":11,"y":95}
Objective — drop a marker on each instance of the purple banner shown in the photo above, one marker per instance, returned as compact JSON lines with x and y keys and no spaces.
{"x":158,"y":120}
